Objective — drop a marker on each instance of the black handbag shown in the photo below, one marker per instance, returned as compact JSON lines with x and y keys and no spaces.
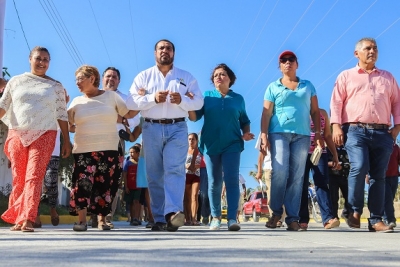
{"x":123,"y":135}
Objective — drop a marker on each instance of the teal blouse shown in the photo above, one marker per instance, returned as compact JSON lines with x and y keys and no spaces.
{"x":224,"y":117}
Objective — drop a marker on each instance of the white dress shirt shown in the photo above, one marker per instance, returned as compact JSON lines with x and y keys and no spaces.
{"x":133,"y":122}
{"x":176,"y":80}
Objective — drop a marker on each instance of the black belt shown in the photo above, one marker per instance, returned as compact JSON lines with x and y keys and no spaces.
{"x":374,"y":126}
{"x":165,"y":121}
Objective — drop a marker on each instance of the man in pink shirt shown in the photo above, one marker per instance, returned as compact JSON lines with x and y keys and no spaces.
{"x":363,"y":100}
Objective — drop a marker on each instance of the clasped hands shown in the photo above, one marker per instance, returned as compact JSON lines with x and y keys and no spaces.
{"x":174,"y":97}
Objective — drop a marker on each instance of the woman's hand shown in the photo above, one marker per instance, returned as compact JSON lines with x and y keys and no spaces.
{"x":66,"y":149}
{"x":318,"y":140}
{"x":247,"y":136}
{"x":335,"y":163}
{"x":264,"y":146}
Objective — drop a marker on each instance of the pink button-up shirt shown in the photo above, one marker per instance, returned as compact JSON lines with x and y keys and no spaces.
{"x":364,"y":97}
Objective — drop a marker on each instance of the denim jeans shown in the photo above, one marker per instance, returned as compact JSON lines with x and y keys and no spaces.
{"x":165,"y":148}
{"x":391,"y":184}
{"x":205,"y":202}
{"x":289,"y":154}
{"x":229,"y":163}
{"x":321,"y":182}
{"x":369,"y":151}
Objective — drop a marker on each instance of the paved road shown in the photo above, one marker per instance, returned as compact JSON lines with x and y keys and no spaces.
{"x":254,"y":245}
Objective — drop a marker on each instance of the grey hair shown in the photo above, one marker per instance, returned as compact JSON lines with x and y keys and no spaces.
{"x":365,"y":39}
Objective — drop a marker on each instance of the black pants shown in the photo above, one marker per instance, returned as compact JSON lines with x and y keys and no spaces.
{"x":335,"y":183}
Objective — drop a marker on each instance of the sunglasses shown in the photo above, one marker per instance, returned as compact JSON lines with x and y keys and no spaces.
{"x":285,"y":59}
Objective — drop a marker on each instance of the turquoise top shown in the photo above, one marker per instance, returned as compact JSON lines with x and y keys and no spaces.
{"x":224,"y":117}
{"x":291,"y":112}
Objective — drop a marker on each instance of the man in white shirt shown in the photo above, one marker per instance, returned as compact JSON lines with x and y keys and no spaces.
{"x":111,"y":80}
{"x":165,"y":94}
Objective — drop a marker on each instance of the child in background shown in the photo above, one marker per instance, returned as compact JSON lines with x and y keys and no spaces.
{"x":132,"y":193}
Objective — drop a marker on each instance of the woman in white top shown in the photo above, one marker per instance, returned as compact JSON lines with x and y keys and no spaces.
{"x":93,"y":117}
{"x":31,"y":106}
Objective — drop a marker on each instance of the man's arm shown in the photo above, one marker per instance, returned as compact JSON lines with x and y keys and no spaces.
{"x":337,"y":100}
{"x":260,"y":163}
{"x":195,"y":100}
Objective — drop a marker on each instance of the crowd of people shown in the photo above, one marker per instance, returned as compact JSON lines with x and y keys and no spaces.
{"x":178,"y":176}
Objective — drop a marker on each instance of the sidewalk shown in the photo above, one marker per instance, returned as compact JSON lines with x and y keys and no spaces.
{"x":198,"y":246}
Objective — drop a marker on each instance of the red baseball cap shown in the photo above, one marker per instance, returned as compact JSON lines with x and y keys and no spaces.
{"x":287,"y":53}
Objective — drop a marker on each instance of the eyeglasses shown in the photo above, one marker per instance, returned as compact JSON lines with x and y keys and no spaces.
{"x":79,"y":79}
{"x":285,"y":59}
{"x":44,"y":60}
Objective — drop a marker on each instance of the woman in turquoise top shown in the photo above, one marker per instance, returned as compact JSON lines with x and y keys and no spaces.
{"x":225,"y":127}
{"x":285,"y":131}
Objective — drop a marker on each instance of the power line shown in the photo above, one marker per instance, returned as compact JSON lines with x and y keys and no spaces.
{"x":248,"y":33}
{"x":70,"y":39}
{"x":341,"y":67}
{"x":133,"y":36}
{"x":316,"y":26}
{"x":101,"y":35}
{"x":326,"y":51}
{"x":22,"y":28}
{"x":50,"y":16}
{"x":258,"y":37}
{"x":287,"y":37}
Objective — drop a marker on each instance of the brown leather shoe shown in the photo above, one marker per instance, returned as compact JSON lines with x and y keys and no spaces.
{"x":294,"y":226}
{"x":380,"y":227}
{"x":353,"y":221}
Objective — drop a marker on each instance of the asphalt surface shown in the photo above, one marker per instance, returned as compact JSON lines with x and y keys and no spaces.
{"x":253,"y":245}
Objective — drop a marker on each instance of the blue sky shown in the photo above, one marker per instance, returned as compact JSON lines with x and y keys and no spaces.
{"x":246,"y":35}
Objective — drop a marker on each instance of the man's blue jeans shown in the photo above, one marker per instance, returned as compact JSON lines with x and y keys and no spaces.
{"x":205,"y":202}
{"x":228,"y":163}
{"x":288,"y":154}
{"x":369,"y":151}
{"x":165,"y":149}
{"x":321,"y":182}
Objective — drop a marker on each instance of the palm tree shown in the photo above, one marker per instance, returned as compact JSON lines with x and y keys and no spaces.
{"x":253,"y":174}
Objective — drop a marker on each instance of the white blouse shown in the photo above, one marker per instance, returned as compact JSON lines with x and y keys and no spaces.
{"x":96,"y":120}
{"x":33,"y":105}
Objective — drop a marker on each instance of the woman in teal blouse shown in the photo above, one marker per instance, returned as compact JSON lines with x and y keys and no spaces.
{"x":225,"y":127}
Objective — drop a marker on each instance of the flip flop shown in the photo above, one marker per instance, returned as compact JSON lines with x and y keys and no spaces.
{"x":16,"y":227}
{"x":27,"y":229}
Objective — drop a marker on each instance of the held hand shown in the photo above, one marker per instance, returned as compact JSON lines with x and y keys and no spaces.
{"x":141,"y":91}
{"x":190,"y":95}
{"x":319,"y":141}
{"x":335,"y":163}
{"x":258,"y":176}
{"x":337,"y":136}
{"x":161,"y":96}
{"x":395,"y":131}
{"x":175,"y":98}
{"x":247,"y":136}
{"x":127,"y":190}
{"x":66,"y":149}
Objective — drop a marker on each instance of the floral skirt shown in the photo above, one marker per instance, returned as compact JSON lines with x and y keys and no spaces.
{"x":94,"y":176}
